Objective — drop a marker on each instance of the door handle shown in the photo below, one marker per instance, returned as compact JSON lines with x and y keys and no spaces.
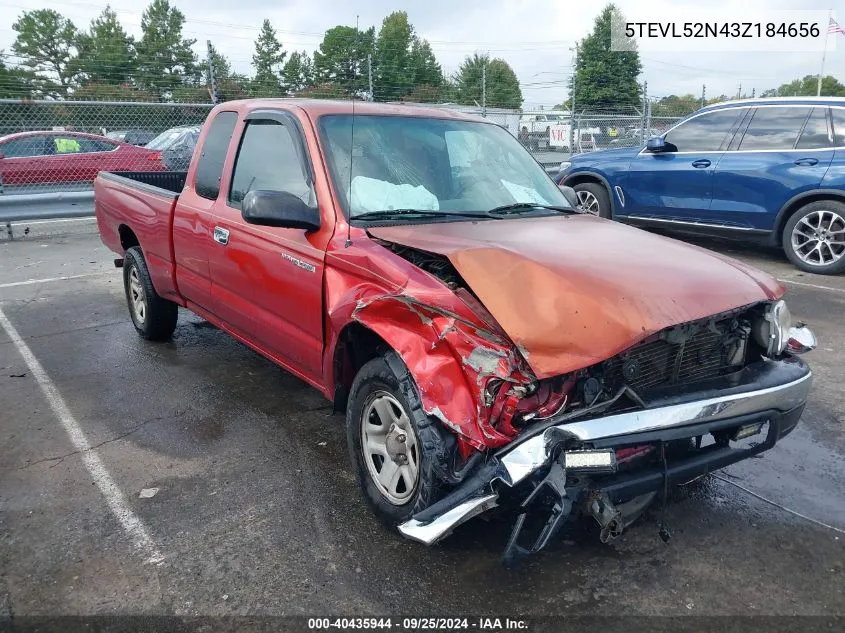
{"x":701,"y":164}
{"x":807,"y":162}
{"x":221,"y":236}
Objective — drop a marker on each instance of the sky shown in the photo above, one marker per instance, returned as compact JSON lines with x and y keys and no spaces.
{"x":535,"y":37}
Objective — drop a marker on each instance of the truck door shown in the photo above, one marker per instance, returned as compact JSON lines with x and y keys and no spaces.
{"x":192,"y":235}
{"x":267,"y":282}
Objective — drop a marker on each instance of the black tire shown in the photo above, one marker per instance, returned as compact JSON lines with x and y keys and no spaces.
{"x":601,"y":195}
{"x":810,"y":211}
{"x":159,"y":315}
{"x":388,"y":374}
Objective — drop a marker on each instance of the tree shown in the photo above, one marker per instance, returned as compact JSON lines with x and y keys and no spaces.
{"x":342,"y":58}
{"x":605,"y":78}
{"x":222,"y":67}
{"x":807,"y":87}
{"x":15,"y":83}
{"x":267,"y":61}
{"x":427,"y":70}
{"x":394,"y":75}
{"x":674,"y":106}
{"x":402,"y":60}
{"x":229,"y":85}
{"x":503,"y":89}
{"x":298,"y":73}
{"x":165,"y":59}
{"x":106,"y":52}
{"x":47,"y":42}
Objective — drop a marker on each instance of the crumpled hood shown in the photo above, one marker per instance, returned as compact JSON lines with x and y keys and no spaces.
{"x":574,"y":290}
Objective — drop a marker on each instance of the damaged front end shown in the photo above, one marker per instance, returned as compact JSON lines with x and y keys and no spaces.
{"x":601,"y":439}
{"x":690,"y":400}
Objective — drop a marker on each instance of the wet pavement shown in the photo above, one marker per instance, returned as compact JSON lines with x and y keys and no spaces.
{"x":257,"y":510}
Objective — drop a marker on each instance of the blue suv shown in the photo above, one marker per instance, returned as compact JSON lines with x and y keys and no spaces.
{"x":771,"y":169}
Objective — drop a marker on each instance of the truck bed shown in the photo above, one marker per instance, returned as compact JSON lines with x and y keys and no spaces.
{"x":137,"y":208}
{"x":152,"y":181}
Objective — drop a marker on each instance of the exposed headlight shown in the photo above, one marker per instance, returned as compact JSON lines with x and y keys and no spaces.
{"x":771,"y":331}
{"x":565,"y":165}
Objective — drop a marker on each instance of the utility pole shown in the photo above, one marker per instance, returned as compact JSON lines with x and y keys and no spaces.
{"x":212,"y":80}
{"x":572,"y":101}
{"x":703,"y":95}
{"x":370,"y":73}
{"x":484,"y":89}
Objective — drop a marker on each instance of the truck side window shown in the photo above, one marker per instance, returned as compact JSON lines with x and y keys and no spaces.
{"x":210,"y":165}
{"x":267,"y":159}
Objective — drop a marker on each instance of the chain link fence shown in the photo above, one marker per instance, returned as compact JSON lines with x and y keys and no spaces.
{"x":552,"y":135}
{"x":60,"y":146}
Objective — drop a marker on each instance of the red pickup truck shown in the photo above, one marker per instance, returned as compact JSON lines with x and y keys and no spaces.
{"x":491,"y":344}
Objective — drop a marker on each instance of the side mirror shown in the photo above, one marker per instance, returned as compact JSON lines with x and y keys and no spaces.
{"x":571,"y":196}
{"x":656,"y":144}
{"x":279,"y":208}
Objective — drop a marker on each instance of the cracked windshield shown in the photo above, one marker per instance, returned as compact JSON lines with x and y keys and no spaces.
{"x":429,"y":164}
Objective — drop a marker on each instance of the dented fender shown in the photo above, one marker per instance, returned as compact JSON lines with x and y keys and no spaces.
{"x":451,"y":352}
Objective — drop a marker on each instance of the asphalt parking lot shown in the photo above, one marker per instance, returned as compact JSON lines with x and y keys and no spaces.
{"x":257,"y":511}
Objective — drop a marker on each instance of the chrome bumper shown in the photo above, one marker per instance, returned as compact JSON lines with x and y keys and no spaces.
{"x":520,"y":459}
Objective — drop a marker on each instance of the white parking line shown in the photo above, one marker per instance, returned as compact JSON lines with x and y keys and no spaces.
{"x":802,"y":283}
{"x":30,"y":282}
{"x":113,"y":495}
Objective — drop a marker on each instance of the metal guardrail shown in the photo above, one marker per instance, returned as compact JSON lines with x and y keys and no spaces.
{"x":45,"y":206}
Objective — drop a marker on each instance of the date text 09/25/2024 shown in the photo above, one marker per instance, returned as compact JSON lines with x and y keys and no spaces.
{"x":419,"y":624}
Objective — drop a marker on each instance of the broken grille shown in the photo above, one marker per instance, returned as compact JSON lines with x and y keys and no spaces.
{"x":708,"y":352}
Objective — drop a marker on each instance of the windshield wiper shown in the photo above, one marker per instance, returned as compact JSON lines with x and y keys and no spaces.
{"x":390,"y":214}
{"x":520,"y":207}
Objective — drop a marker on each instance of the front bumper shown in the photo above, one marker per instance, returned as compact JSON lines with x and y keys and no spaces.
{"x":769,"y":392}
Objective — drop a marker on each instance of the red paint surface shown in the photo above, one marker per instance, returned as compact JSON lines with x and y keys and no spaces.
{"x":556,"y":294}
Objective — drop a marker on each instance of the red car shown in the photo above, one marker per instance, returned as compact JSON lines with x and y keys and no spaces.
{"x":37,"y":158}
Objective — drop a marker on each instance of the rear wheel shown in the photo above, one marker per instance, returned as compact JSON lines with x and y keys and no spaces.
{"x":154,"y":318}
{"x":392,"y":442}
{"x":814,"y":237}
{"x":593,"y":198}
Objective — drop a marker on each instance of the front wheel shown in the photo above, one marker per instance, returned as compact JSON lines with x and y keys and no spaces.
{"x":814,"y":237}
{"x":593,"y":198}
{"x":392,"y":442}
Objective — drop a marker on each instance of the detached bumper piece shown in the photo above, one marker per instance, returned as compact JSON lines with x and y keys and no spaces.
{"x":605,"y":467}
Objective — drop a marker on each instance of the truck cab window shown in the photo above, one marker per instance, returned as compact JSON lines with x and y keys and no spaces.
{"x":210,"y":164}
{"x":267,"y":159}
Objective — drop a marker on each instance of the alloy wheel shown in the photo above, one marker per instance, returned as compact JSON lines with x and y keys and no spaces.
{"x":588,"y":202}
{"x":818,"y":238}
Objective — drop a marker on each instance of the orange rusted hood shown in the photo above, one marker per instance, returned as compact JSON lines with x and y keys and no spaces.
{"x":571,"y":291}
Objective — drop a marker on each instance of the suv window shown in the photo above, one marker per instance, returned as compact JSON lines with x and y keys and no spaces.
{"x":23,"y":147}
{"x":774,"y":128}
{"x":210,"y":164}
{"x":816,"y":133}
{"x":838,"y":116}
{"x":704,"y":133}
{"x":267,"y":159}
